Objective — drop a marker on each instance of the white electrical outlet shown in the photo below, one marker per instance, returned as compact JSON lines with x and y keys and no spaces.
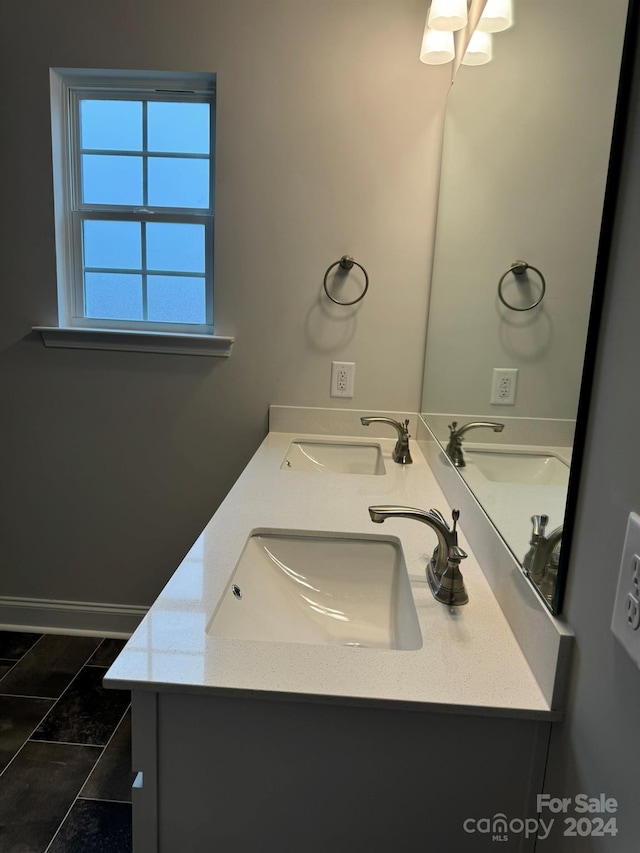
{"x":504,"y":385}
{"x":343,"y":377}
{"x":626,"y":610}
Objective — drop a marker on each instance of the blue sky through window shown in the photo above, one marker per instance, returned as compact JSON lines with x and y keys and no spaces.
{"x":175,"y":246}
{"x":137,"y":154}
{"x":173,"y":126}
{"x":111,"y":125}
{"x":117,"y":245}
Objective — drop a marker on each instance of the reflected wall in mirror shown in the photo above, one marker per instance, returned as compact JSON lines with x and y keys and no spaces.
{"x":526,"y":151}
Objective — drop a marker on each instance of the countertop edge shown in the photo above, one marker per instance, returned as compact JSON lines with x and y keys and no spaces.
{"x":548,"y":715}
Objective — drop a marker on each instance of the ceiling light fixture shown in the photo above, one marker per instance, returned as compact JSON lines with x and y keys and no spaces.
{"x":437,"y":47}
{"x":480,"y":49}
{"x":497,"y":16}
{"x":448,"y":15}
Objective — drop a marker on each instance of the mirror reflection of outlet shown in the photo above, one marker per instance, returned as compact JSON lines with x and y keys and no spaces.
{"x":504,"y":384}
{"x":625,"y":622}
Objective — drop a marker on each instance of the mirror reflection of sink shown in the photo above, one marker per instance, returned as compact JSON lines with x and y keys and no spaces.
{"x":319,"y":588}
{"x":519,"y":466}
{"x":329,"y":457}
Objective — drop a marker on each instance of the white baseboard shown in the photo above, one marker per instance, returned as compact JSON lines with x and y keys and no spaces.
{"x":90,"y":618}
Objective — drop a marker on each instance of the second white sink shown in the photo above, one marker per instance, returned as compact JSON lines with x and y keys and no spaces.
{"x":319,"y":588}
{"x":329,"y":457}
{"x":519,"y":467}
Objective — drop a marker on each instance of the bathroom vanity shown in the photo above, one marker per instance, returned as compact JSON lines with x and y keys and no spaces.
{"x":404,"y":737}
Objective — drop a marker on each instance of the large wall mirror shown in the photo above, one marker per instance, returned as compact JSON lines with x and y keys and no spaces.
{"x":527,"y":144}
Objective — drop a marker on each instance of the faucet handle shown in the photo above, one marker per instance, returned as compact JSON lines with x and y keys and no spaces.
{"x":448,"y":587}
{"x":539,"y":524}
{"x":456,"y":554}
{"x":440,"y":517}
{"x":455,"y":515}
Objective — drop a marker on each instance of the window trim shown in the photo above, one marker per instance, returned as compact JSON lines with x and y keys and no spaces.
{"x":67,"y":88}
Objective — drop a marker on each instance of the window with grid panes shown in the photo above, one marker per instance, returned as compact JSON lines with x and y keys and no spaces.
{"x":139,"y":203}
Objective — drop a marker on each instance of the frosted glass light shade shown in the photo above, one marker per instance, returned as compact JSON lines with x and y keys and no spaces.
{"x":448,"y":15}
{"x":480,"y":49}
{"x":497,"y":16}
{"x":437,"y":47}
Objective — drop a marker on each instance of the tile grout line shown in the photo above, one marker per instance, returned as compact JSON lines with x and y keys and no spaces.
{"x":20,"y":696}
{"x":75,"y":800}
{"x":78,"y":797}
{"x":72,"y":743}
{"x":15,"y":662}
{"x":117,"y":726}
{"x":55,"y":698}
{"x":68,"y":687}
{"x":94,"y":652}
{"x":27,"y":739}
{"x":103,"y":800}
{"x":111,"y":737}
{"x":67,"y":743}
{"x":55,"y":701}
{"x":27,"y":696}
{"x":31,"y":739}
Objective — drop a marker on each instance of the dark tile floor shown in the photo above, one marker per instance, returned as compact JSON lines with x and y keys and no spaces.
{"x":65,"y":747}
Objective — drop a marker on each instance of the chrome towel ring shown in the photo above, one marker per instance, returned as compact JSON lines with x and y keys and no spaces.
{"x":519,"y":268}
{"x":346,"y":263}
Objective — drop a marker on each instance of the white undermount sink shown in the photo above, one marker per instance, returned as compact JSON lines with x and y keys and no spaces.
{"x":317,"y":588}
{"x":330,"y":457}
{"x":519,"y":466}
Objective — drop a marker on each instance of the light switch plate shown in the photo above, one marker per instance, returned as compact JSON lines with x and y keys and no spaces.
{"x":625,"y":622}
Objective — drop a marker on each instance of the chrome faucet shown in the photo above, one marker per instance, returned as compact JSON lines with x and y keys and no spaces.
{"x":443,"y":570}
{"x":454,"y":447}
{"x":541,"y":560}
{"x":401,"y":450}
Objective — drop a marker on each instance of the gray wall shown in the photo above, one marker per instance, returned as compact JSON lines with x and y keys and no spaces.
{"x":524,"y":167}
{"x":596,"y":750}
{"x":329,"y":141}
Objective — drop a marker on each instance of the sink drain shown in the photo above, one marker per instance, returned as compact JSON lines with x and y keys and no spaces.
{"x":235,"y":589}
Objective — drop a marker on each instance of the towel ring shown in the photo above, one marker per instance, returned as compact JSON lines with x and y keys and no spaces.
{"x":346,"y":263}
{"x":519,"y":268}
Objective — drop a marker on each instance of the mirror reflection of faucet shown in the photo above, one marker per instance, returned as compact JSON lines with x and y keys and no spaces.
{"x":454,"y":447}
{"x":443,"y":570}
{"x":401,"y":453}
{"x":542,"y":559}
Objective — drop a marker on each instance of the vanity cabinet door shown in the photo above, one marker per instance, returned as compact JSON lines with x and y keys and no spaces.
{"x":237,"y":775}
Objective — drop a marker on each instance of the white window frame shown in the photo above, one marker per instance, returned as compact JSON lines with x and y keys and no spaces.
{"x":68,"y":87}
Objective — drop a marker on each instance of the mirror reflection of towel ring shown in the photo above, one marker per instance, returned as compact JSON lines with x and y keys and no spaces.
{"x":346,"y":263}
{"x":519,"y":268}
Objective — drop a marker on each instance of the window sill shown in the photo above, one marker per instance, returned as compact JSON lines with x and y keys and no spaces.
{"x":132,"y":341}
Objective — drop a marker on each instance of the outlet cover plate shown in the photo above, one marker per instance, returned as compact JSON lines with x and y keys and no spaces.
{"x":504,"y":386}
{"x":343,"y":375}
{"x":625,"y":622}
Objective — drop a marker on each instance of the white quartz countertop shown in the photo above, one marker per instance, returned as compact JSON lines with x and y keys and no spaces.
{"x":470,"y":661}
